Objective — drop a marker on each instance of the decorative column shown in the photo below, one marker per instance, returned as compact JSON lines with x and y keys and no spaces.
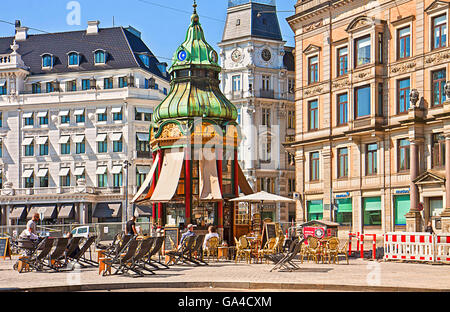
{"x":187,"y":185}
{"x":415,"y":118}
{"x":413,"y":217}
{"x":152,"y":187}
{"x":445,"y":214}
{"x":160,"y":204}
{"x":219,"y":173}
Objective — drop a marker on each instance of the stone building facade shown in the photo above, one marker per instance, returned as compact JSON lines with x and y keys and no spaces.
{"x":258,"y":77}
{"x":74,"y":108}
{"x":372,"y":144}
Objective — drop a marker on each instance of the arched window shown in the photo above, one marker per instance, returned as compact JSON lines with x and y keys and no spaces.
{"x":100,"y":57}
{"x":47,"y":60}
{"x":74,"y":59}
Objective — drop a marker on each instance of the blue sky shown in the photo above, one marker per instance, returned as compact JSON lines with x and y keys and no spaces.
{"x":163,"y":23}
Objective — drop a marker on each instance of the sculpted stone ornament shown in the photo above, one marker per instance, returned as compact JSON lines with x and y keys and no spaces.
{"x":414,"y":98}
{"x":447,"y":89}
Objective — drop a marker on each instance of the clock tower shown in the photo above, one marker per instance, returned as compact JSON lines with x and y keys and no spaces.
{"x":258,"y":78}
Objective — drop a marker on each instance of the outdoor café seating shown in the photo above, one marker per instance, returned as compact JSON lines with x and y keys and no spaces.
{"x":212,"y":248}
{"x":314,"y":249}
{"x":243,"y":249}
{"x":270,"y":248}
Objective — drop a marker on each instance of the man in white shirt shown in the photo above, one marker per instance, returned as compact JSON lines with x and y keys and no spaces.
{"x":30,"y":232}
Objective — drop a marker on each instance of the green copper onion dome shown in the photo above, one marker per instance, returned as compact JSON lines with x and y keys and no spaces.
{"x":195,"y":81}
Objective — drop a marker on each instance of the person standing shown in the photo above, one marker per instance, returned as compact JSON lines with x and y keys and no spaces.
{"x":429,"y":228}
{"x":130,"y":229}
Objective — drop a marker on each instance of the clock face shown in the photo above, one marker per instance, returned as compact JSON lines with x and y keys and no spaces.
{"x":266,"y":55}
{"x":236,"y":56}
{"x":182,"y":55}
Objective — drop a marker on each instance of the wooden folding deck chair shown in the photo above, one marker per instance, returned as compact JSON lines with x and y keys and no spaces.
{"x":54,"y":259}
{"x":122,"y":262}
{"x":36,"y":260}
{"x":288,"y":261}
{"x":157,"y":246}
{"x":80,"y":259}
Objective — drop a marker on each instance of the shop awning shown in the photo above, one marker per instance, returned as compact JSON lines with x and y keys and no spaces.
{"x":41,"y":140}
{"x":144,"y":189}
{"x":63,"y":113}
{"x":47,"y":211}
{"x":143,"y":211}
{"x":27,"y":141}
{"x":64,"y":139}
{"x":116,"y":136}
{"x":78,"y":171}
{"x":344,"y":205}
{"x":315,"y":206}
{"x":372,"y":203}
{"x":209,"y":181}
{"x":42,"y":114}
{"x":144,"y":110}
{"x":116,"y":109}
{"x":18,"y":212}
{"x":144,"y":137}
{"x":63,"y":172}
{"x":243,"y":183}
{"x":27,"y":173}
{"x":108,"y":210}
{"x":66,"y":211}
{"x":101,"y":110}
{"x":27,"y":115}
{"x":101,"y":170}
{"x":169,"y":177}
{"x":42,"y":172}
{"x":78,"y":112}
{"x":78,"y":138}
{"x":116,"y":169}
{"x":142,"y":169}
{"x":101,"y":137}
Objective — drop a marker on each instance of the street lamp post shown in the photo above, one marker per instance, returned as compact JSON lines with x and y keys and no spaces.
{"x":126,"y":165}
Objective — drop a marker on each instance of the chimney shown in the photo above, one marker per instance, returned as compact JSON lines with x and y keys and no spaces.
{"x":92,"y":28}
{"x":21,"y":32}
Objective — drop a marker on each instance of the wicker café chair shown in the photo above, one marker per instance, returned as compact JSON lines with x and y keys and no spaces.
{"x":212,"y":248}
{"x":242,"y":249}
{"x":314,"y":249}
{"x":332,"y":249}
{"x":269,"y":248}
{"x":342,"y":251}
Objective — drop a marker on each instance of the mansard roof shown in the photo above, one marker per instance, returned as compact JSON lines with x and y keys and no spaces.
{"x":121,"y":45}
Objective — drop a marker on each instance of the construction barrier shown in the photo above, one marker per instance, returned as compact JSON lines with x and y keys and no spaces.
{"x":360,"y":243}
{"x":442,"y":247}
{"x":350,"y":236}
{"x":409,"y":246}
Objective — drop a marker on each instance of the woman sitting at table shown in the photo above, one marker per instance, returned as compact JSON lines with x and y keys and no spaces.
{"x":212,"y":232}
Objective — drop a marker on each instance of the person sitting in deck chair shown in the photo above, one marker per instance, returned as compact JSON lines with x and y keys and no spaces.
{"x":189,"y":232}
{"x":30,"y":232}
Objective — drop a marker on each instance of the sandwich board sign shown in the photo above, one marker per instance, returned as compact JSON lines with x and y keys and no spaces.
{"x":5,"y":248}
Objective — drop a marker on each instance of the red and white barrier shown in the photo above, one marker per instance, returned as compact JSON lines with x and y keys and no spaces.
{"x":409,"y":246}
{"x":442,"y":247}
{"x":360,"y":243}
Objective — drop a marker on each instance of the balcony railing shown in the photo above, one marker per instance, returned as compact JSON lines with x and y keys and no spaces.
{"x":266,"y":94}
{"x":63,"y":190}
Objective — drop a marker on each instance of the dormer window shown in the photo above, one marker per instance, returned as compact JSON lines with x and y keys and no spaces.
{"x":47,"y":61}
{"x":100,"y":57}
{"x":145,"y":59}
{"x":74,"y":59}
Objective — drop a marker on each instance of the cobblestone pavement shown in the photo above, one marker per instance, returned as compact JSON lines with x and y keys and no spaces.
{"x":359,"y":275}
